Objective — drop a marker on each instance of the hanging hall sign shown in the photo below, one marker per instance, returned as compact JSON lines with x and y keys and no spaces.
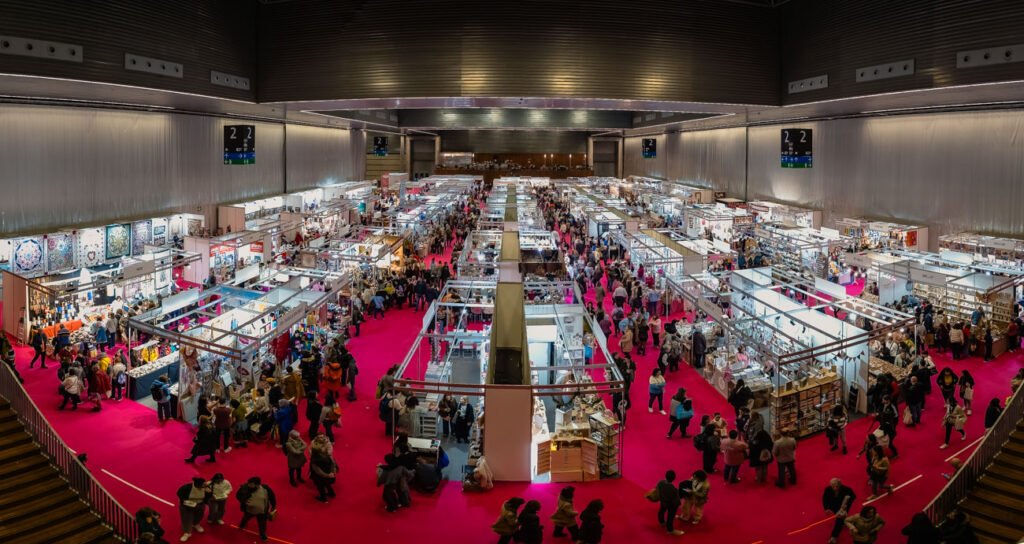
{"x":797,"y":148}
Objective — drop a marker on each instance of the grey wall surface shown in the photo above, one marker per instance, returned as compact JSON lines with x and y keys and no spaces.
{"x":321,"y":156}
{"x":202,"y":35}
{"x":514,"y":141}
{"x":839,"y":36}
{"x":950,"y":171}
{"x":634,"y":163}
{"x":692,"y":50}
{"x":76,"y":166}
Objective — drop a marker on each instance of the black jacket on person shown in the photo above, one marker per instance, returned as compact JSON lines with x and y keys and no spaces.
{"x":530,"y":529}
{"x":668,"y":494}
{"x":991,"y":415}
{"x":832,"y":500}
{"x":244,"y":492}
{"x":591,"y":528}
{"x":186,"y":490}
{"x":921,"y":534}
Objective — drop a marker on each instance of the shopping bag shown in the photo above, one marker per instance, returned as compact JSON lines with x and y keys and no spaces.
{"x":908,"y":418}
{"x":653,"y":495}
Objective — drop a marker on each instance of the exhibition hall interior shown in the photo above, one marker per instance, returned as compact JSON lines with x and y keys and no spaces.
{"x":581,"y":271}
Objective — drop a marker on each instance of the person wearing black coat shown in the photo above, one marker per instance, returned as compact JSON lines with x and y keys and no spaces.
{"x":740,"y":396}
{"x":837,"y":500}
{"x":992,"y":413}
{"x":591,"y":528}
{"x":699,"y":346}
{"x":669,"y":501}
{"x":313,"y":412}
{"x":205,"y":441}
{"x":256,"y":500}
{"x":921,"y":531}
{"x":530,"y":529}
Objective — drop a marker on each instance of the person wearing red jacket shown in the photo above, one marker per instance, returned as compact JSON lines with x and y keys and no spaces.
{"x":99,"y":387}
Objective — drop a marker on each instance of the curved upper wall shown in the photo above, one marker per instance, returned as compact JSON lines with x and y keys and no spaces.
{"x":674,"y":50}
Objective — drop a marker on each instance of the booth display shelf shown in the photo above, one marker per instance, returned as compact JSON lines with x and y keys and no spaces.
{"x":606,"y":433}
{"x":803,"y":410}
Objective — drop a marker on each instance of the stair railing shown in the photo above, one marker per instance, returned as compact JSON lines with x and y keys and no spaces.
{"x":964,"y":480}
{"x":78,"y":477}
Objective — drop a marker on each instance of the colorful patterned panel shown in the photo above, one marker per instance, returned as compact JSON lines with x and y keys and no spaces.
{"x":91,"y":245}
{"x":60,"y":252}
{"x":27,"y":257}
{"x":159,"y":232}
{"x":119,"y":240}
{"x":142,"y":234}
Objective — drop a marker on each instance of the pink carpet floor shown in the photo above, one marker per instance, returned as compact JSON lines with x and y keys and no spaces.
{"x":140,"y":462}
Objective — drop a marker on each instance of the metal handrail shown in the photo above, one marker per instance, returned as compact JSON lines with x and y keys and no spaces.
{"x":64,"y":459}
{"x":965,"y":479}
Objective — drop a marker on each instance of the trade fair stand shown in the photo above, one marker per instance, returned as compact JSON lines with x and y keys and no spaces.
{"x":715,"y":252}
{"x":668,"y":208}
{"x":798,"y":358}
{"x":222,"y":256}
{"x":689,"y":194}
{"x":765,"y":211}
{"x":958,"y":288}
{"x":799,"y":249}
{"x":1006,"y":252}
{"x":478,"y":259}
{"x":569,"y":435}
{"x":857,"y":265}
{"x":875,"y":235}
{"x":227,"y":340}
{"x":77,"y":299}
{"x":370,"y":249}
{"x":68,"y":250}
{"x":714,"y":221}
{"x":661,"y":257}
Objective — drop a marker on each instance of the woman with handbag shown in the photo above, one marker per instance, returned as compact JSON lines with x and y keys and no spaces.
{"x":955,"y":419}
{"x":966,"y":384}
{"x":761,"y":454}
{"x":879,"y":472}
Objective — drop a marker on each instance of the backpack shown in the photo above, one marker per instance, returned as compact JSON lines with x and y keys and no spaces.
{"x":157,"y":392}
{"x":122,"y":379}
{"x":384,"y":409}
{"x":380,"y":389}
{"x":700,"y":441}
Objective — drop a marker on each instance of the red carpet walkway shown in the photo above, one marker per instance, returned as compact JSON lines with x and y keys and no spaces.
{"x":140,"y":462}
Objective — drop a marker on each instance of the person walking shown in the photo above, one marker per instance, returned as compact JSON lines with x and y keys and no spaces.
{"x":161,"y":393}
{"x":295,"y":451}
{"x":508,"y":520}
{"x":695,"y":491}
{"x":966,"y":383}
{"x":565,"y":514}
{"x":220,"y":490}
{"x":148,"y":521}
{"x":530,"y":530}
{"x":38,"y":340}
{"x":837,"y":421}
{"x":446,"y":410}
{"x":879,"y":473}
{"x":680,"y":413}
{"x":591,"y":528}
{"x":865,"y":525}
{"x":955,"y":418}
{"x":463,"y":420}
{"x":204,"y":442}
{"x":119,"y":377}
{"x":256,"y":500}
{"x":99,"y":387}
{"x":324,"y":473}
{"x":71,"y":389}
{"x":836,"y":501}
{"x":192,"y":499}
{"x":784,"y":451}
{"x":314,"y":411}
{"x":734,"y":452}
{"x":668,"y":502}
{"x":656,"y":391}
{"x":222,"y":423}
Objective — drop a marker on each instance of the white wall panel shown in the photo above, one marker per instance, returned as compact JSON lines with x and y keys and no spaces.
{"x":75,"y":166}
{"x":950,"y":171}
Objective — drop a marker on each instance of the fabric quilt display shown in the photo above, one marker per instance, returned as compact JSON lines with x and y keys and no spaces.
{"x":60,"y":252}
{"x":159,"y":232}
{"x":119,"y":238}
{"x":142,"y":234}
{"x":91,"y":247}
{"x":27,"y":257}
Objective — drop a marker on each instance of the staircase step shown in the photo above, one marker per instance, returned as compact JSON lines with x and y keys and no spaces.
{"x":995,"y":513}
{"x":14,"y":438}
{"x":1014,"y":448}
{"x":37,"y":489}
{"x":4,"y":404}
{"x":1006,"y":473}
{"x":10,"y":427}
{"x":57,"y":528}
{"x":998,"y":498}
{"x":17,"y":451}
{"x":6,"y":414}
{"x":998,"y":485}
{"x":17,"y":481}
{"x":39,"y":507}
{"x":13,"y":468}
{"x":1013,"y":461}
{"x":96,"y":534}
{"x":992,"y":530}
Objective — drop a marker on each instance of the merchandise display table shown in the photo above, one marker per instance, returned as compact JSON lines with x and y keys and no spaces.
{"x":71,"y":326}
{"x":141,"y":378}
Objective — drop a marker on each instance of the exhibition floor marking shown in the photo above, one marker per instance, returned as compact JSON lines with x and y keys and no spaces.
{"x":136,"y":488}
{"x":967,"y":447}
{"x":897,"y":488}
{"x":811,"y":526}
{"x":257,"y":534}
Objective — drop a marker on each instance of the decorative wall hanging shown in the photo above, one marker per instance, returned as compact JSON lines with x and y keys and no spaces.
{"x":159,"y":232}
{"x":60,"y":252}
{"x":142,"y":234}
{"x":91,"y":244}
{"x":118,"y":240}
{"x":27,"y":257}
